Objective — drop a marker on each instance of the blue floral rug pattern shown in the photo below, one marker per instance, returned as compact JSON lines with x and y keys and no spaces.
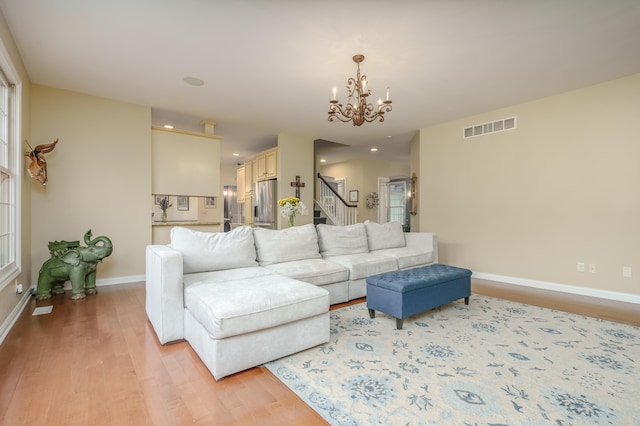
{"x":494,"y":362}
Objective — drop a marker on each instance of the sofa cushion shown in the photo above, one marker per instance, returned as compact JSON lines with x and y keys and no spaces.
{"x":230,"y":308}
{"x":385,"y":235}
{"x":361,"y":265}
{"x":339,"y":240}
{"x":225,"y":275}
{"x":286,"y":245}
{"x":313,"y":271}
{"x":212,"y":251}
{"x":408,"y":257}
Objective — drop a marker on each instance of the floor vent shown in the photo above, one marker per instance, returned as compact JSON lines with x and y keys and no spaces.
{"x":491,"y":127}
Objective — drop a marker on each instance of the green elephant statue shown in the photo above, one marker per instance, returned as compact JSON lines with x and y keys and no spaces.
{"x":69,"y":261}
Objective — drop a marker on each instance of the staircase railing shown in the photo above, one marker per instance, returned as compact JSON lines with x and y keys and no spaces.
{"x":337,"y":210}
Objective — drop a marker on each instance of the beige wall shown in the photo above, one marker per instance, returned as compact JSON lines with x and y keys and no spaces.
{"x":295,"y":158}
{"x":185,"y":163}
{"x":532,"y":202}
{"x":362,"y":175}
{"x":10,"y":302}
{"x":414,"y":162}
{"x":227,"y":176}
{"x":99,"y":178}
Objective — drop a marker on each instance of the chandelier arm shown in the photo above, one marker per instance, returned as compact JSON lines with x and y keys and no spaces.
{"x":352,"y":86}
{"x":385,"y":107}
{"x":336,"y":110}
{"x":374,"y":117}
{"x":378,"y":115}
{"x":333,"y":117}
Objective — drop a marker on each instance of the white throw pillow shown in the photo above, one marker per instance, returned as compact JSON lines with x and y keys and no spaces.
{"x":213,"y":251}
{"x":285,"y":245}
{"x":384,"y":236}
{"x":340,"y":240}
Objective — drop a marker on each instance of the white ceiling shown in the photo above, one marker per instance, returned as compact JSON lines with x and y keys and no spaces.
{"x":269,"y":66}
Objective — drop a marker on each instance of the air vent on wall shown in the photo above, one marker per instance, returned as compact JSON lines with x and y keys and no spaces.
{"x":491,"y":127}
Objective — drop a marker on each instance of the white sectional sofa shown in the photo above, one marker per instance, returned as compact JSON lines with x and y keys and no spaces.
{"x":252,"y":295}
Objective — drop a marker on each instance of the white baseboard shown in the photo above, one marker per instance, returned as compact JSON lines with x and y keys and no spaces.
{"x":110,"y":281}
{"x":8,"y":323}
{"x":120,"y":280}
{"x":564,"y":288}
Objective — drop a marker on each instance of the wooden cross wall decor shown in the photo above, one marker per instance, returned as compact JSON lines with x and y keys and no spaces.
{"x":298,"y":185}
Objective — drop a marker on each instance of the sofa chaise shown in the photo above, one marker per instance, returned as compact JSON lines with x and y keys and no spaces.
{"x":252,"y":295}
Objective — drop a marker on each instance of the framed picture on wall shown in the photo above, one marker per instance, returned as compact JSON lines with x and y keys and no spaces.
{"x":210,"y":202}
{"x":353,"y":196}
{"x":159,"y":199}
{"x":182,"y":203}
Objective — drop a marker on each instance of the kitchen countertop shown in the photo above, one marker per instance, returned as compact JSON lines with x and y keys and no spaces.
{"x":184,"y":223}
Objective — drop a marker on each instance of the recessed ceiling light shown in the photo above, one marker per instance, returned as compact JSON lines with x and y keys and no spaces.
{"x":235,"y":154}
{"x":193,"y":81}
{"x":168,"y":126}
{"x":323,"y":161}
{"x":389,"y":137}
{"x":374,"y":149}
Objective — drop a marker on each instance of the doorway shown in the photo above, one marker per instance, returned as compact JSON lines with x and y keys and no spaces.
{"x":394,"y":201}
{"x":340,"y":186}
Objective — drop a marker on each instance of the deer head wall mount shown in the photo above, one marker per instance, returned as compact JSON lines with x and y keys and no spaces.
{"x":38,"y":165}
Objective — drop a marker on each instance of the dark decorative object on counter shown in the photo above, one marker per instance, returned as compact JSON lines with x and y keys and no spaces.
{"x":164,"y":204}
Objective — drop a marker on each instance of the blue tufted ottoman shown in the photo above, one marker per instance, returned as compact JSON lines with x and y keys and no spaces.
{"x":412,"y":291}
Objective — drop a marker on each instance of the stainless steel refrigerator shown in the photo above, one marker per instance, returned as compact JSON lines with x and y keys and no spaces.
{"x":231,"y":210}
{"x":265,"y":204}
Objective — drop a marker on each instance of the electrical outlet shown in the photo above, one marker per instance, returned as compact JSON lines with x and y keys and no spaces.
{"x":592,"y":268}
{"x":18,"y":288}
{"x":580,"y":267}
{"x":626,"y":272}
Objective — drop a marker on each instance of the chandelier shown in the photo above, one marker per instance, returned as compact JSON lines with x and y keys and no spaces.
{"x":357,"y":109}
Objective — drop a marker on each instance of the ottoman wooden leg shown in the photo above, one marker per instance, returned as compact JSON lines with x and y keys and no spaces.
{"x":466,"y":300}
{"x":372,"y":313}
{"x":399,"y":322}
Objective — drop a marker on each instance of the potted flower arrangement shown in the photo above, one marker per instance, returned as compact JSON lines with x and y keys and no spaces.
{"x":290,"y":207}
{"x":164,"y":204}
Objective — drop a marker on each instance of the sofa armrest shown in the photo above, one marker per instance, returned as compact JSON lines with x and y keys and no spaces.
{"x":423,"y":240}
{"x":165,"y":295}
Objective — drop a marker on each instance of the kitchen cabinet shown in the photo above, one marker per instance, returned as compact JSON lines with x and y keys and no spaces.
{"x":241,"y":183}
{"x":267,"y":164}
{"x":248,"y":210}
{"x":272,"y":164}
{"x":248,"y":178}
{"x":254,"y":168}
{"x":261,"y":167}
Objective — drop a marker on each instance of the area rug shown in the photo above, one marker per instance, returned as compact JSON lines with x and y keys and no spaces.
{"x":494,"y":362}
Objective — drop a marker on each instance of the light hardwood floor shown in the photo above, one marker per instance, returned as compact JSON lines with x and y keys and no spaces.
{"x":98,"y":362}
